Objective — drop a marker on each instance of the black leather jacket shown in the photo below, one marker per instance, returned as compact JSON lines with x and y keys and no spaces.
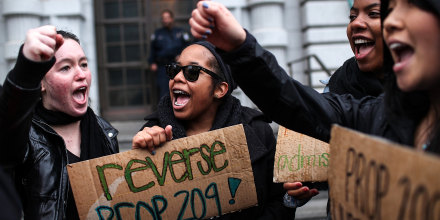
{"x":31,"y":149}
{"x":42,"y":177}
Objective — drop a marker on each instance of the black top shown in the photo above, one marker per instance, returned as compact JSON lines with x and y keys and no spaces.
{"x":261,"y":144}
{"x":349,"y":79}
{"x":71,"y":212}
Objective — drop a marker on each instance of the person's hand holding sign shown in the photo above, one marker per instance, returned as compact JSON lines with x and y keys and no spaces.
{"x":152,"y":137}
{"x":41,"y":43}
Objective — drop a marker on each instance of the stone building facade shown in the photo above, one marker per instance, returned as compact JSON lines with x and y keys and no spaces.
{"x":293,"y":30}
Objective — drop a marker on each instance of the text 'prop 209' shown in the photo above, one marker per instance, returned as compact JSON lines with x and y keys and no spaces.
{"x":199,"y":176}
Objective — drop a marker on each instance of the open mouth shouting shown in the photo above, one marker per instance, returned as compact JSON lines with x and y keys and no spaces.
{"x":401,"y":53}
{"x":181,"y":98}
{"x":80,"y":95}
{"x":362,"y":47}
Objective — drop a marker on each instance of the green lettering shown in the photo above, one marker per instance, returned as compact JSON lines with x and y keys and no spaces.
{"x":160,"y":178}
{"x":206,"y":158}
{"x":172,"y":162}
{"x":291,"y":163}
{"x":308,"y":159}
{"x":283,"y":165}
{"x":215,"y":153}
{"x":128,"y":175}
{"x":186,"y":155}
{"x":103,"y":180}
{"x":325,"y":156}
{"x":299,"y":159}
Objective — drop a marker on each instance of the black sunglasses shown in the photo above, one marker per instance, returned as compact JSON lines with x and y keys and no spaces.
{"x":190,"y":72}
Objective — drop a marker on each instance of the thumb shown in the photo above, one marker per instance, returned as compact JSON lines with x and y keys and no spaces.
{"x":59,"y":41}
{"x":169,"y":132}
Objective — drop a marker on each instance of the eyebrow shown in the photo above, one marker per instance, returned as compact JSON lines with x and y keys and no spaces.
{"x":69,"y":59}
{"x":368,"y":7}
{"x":190,"y":63}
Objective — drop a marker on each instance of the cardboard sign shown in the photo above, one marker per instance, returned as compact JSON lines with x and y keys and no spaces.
{"x":371,"y":178}
{"x":199,"y":176}
{"x":299,"y":157}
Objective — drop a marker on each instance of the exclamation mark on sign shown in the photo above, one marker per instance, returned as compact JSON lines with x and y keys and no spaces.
{"x":233,"y":186}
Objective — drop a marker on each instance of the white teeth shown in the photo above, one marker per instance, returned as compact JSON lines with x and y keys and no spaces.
{"x":180,"y":92}
{"x":177,"y":104}
{"x":395,"y":46}
{"x":361,"y":41}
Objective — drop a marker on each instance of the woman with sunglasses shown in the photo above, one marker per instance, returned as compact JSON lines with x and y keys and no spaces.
{"x":200,"y":100}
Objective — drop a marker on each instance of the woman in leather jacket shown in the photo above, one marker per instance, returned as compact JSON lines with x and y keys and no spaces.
{"x":63,"y":129}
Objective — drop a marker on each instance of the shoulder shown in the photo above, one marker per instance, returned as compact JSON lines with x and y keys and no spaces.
{"x":256,"y":123}
{"x":250,"y":115}
{"x":151,"y":120}
{"x":108,"y":129}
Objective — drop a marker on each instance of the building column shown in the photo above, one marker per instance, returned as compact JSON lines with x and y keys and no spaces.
{"x":19,"y":16}
{"x":267,"y":25}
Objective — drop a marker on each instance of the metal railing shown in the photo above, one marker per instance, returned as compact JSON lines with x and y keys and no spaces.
{"x":308,"y":69}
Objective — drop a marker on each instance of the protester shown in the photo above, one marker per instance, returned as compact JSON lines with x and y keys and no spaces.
{"x":20,"y":93}
{"x":200,"y":100}
{"x":406,"y":113}
{"x":63,"y":129}
{"x":166,"y":43}
{"x":362,"y":74}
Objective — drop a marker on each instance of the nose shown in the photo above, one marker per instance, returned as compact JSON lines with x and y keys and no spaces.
{"x":392,"y":23}
{"x":179,"y":77}
{"x":80,"y":74}
{"x":359,"y":24}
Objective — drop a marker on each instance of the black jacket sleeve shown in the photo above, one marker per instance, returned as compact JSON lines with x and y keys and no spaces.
{"x":289,"y":103}
{"x":21,"y":91}
{"x":271,"y":205}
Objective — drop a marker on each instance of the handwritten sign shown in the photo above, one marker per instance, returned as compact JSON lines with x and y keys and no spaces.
{"x":371,"y":178}
{"x":200,"y":176}
{"x":299,"y":157}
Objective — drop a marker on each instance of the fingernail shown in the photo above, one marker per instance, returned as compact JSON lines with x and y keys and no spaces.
{"x":208,"y":31}
{"x":306,"y":189}
{"x":210,"y":19}
{"x":153,"y":152}
{"x":204,"y":36}
{"x":205,"y":5}
{"x":211,"y":26}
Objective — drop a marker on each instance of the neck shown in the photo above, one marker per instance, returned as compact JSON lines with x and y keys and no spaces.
{"x":203,"y":123}
{"x":428,"y":123}
{"x":71,"y":133}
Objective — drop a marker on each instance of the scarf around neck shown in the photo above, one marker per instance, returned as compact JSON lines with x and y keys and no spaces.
{"x":349,"y":79}
{"x":93,"y":141}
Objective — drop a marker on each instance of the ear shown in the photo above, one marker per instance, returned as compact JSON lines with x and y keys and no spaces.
{"x":43,"y":87}
{"x":221,"y":90}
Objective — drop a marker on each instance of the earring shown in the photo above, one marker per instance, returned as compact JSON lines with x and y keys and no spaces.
{"x":216,"y":96}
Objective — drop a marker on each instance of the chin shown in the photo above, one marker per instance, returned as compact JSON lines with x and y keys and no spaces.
{"x":79,"y":112}
{"x":405,"y":86}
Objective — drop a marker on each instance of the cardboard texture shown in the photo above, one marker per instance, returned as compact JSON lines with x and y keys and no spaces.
{"x":371,"y":178}
{"x":199,"y":176}
{"x":299,"y":157}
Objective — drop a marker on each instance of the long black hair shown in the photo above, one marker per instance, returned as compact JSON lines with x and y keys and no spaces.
{"x":413,"y":106}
